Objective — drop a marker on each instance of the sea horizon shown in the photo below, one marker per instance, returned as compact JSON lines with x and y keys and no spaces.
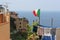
{"x":45,"y":17}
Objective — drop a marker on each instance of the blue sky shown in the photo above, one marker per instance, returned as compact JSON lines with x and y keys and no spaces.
{"x":29,"y":5}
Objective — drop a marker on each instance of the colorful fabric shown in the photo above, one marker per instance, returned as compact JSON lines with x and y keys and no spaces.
{"x":46,"y":38}
{"x":36,"y":12}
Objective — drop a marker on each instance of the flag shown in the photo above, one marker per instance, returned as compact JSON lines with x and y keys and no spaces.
{"x":36,"y":12}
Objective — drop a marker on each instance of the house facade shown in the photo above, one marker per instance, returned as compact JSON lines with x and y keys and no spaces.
{"x":21,"y":24}
{"x":4,"y":23}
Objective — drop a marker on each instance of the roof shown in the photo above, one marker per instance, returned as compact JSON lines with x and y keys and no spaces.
{"x":1,"y":7}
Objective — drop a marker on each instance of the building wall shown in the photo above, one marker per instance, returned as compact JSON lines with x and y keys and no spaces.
{"x":13,"y":15}
{"x":21,"y":23}
{"x":7,"y":17}
{"x":5,"y":31}
{"x":4,"y":23}
{"x":5,"y":27}
{"x":1,"y":17}
{"x":17,"y":22}
{"x":58,"y":34}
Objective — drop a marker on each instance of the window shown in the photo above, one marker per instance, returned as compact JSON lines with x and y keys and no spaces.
{"x":0,"y":10}
{"x":20,"y":27}
{"x":1,"y":18}
{"x":20,"y":22}
{"x":20,"y":18}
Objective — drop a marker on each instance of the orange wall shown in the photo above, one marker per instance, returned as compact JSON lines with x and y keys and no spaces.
{"x":5,"y":31}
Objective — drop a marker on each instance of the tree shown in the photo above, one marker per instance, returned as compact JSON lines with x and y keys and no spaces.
{"x":29,"y":28}
{"x":12,"y":24}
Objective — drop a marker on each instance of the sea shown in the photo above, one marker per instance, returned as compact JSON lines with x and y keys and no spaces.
{"x":45,"y":17}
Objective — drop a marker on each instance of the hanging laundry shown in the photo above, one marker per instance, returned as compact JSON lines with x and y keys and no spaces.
{"x":47,"y":35}
{"x":40,"y":32}
{"x":53,"y":32}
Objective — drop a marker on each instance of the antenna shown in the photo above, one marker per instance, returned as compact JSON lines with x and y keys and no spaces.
{"x":51,"y":22}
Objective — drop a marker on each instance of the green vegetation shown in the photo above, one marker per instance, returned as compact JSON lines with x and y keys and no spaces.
{"x":35,"y":23}
{"x":20,"y":35}
{"x":12,"y":24}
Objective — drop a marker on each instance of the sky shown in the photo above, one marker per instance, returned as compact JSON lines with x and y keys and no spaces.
{"x":29,"y":5}
{"x":43,"y":5}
